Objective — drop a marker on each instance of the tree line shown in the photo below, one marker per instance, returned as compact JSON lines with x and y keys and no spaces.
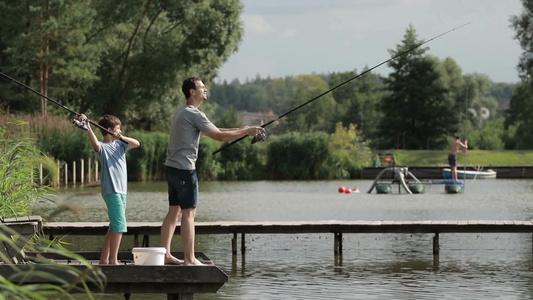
{"x":422,"y":104}
{"x":100,"y":57}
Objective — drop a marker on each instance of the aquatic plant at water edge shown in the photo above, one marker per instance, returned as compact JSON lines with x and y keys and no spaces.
{"x":63,"y":280}
{"x":19,"y":159}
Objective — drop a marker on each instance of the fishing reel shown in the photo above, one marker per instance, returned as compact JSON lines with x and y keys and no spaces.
{"x":260,"y":137}
{"x":81,"y":124}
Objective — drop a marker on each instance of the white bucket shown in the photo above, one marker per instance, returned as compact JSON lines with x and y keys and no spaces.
{"x":149,"y":255}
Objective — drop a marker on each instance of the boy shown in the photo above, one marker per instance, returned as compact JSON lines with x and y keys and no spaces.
{"x":112,"y":155}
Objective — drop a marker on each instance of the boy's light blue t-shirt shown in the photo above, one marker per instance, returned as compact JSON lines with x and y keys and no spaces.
{"x":112,"y":157}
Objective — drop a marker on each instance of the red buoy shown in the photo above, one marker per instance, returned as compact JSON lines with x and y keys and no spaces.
{"x":348,"y":191}
{"x":341,"y":189}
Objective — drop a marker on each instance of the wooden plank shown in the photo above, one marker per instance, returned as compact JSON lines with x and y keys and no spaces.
{"x":385,"y":226}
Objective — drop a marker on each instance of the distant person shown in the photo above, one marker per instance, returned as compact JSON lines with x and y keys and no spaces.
{"x":114,"y":181}
{"x":180,"y":166}
{"x":452,"y":157}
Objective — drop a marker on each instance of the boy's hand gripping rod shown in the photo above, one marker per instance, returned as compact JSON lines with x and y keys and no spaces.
{"x":81,"y":124}
{"x":261,"y":138}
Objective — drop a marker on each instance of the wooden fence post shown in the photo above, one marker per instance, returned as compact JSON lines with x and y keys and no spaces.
{"x":66,"y":174}
{"x":89,"y":171}
{"x":82,"y":171}
{"x":96,"y":170}
{"x":74,"y":173}
{"x":58,"y":173}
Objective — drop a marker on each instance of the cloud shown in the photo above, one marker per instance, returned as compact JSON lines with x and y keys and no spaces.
{"x":288,"y":33}
{"x":256,"y":24}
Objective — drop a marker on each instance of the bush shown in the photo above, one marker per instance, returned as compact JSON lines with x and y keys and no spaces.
{"x":294,"y":156}
{"x":147,"y":162}
{"x":348,"y":153}
{"x":60,"y":139}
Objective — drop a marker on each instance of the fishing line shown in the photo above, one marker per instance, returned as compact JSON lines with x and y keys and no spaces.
{"x":81,"y":124}
{"x":259,"y":138}
{"x":465,"y":135}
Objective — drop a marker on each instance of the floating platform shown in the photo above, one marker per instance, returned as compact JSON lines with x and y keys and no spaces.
{"x":400,"y":176}
{"x":177,"y":281}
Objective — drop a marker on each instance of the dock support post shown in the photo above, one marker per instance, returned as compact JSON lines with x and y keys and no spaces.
{"x":243,"y":247}
{"x":436,"y":247}
{"x":146,"y":240}
{"x":180,"y":296}
{"x":135,"y":240}
{"x":234,"y":244}
{"x":337,"y":243}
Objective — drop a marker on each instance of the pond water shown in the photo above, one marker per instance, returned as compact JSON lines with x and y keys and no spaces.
{"x":373,"y":266}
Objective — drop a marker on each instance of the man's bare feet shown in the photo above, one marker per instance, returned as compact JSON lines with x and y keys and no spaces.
{"x":171,"y":260}
{"x":194,"y":262}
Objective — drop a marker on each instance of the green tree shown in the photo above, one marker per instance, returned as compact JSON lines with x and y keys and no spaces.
{"x":522,"y":25}
{"x":480,"y":105}
{"x":416,"y":115}
{"x":315,"y":116}
{"x":489,"y":136}
{"x":46,"y":45}
{"x":358,"y":101}
{"x":229,"y":119}
{"x":123,"y":58}
{"x":279,"y":93}
{"x":152,"y":45}
{"x":519,"y":116}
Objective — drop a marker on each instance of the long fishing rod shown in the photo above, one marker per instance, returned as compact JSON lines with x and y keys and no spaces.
{"x":262,"y":137}
{"x":81,"y":124}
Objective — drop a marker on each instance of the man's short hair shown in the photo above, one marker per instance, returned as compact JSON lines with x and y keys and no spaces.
{"x":188,"y":84}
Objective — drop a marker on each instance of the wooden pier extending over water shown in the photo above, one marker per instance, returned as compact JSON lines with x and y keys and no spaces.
{"x":337,"y":228}
{"x":178,"y":282}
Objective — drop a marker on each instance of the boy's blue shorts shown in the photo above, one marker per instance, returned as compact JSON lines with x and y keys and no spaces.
{"x":116,"y":210}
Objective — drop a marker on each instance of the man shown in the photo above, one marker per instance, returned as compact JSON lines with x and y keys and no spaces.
{"x":452,"y":157}
{"x":180,"y":166}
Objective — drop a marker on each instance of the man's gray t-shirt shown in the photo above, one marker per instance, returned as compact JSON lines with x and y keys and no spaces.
{"x":187,"y":125}
{"x":112,"y":156}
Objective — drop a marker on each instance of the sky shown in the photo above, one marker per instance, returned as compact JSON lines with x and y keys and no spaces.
{"x":292,"y":37}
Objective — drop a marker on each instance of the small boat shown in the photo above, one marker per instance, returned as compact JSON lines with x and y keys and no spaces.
{"x":470,"y":174}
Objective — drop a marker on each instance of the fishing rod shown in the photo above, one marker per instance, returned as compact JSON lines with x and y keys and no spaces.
{"x":79,"y":123}
{"x":262,"y":136}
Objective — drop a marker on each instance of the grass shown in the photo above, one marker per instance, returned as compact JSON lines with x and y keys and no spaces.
{"x":437,"y":158}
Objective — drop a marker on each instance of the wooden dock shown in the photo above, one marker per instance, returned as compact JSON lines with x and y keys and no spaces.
{"x":178,"y":282}
{"x":337,"y":228}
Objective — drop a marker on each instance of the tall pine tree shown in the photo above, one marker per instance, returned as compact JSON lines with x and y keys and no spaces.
{"x":416,"y":114}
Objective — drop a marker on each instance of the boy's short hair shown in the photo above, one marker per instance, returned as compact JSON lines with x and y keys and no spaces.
{"x":108,"y":121}
{"x":188,"y":84}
